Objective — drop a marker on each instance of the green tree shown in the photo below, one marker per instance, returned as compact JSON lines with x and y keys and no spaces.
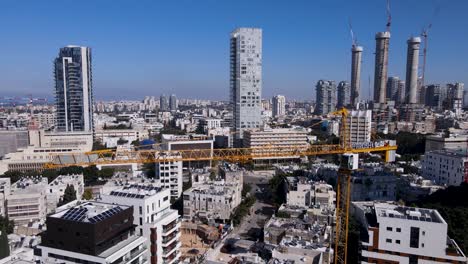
{"x":246,"y":188}
{"x":88,"y":194}
{"x":4,"y":246}
{"x":69,"y":195}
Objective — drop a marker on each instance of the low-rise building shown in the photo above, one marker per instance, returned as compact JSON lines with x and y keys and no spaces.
{"x":308,"y":194}
{"x":441,"y":142}
{"x":400,"y":234}
{"x":113,"y":137}
{"x":444,"y":167}
{"x":79,"y":140}
{"x":92,"y":232}
{"x":154,"y":218}
{"x":214,"y":200}
{"x":56,"y":189}
{"x":27,"y":200}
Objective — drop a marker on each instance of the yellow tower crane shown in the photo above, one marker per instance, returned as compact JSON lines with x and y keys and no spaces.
{"x":158,"y":154}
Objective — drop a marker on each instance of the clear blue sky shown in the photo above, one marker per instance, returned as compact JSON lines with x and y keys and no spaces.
{"x":182,"y":46}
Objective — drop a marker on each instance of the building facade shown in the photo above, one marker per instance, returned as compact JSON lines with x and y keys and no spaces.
{"x":74,"y":89}
{"x":359,"y":124}
{"x":382,"y":42}
{"x":392,"y":88}
{"x":246,"y":80}
{"x":173,"y":103}
{"x":326,"y":97}
{"x":279,"y":106}
{"x":344,"y":94}
{"x":444,"y":167}
{"x":154,"y":218}
{"x":356,"y":61}
{"x":412,"y":62}
{"x":398,"y":234}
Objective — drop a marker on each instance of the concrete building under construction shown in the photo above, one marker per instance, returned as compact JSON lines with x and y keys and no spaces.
{"x":356,"y":58}
{"x":412,"y":63}
{"x":382,"y":40}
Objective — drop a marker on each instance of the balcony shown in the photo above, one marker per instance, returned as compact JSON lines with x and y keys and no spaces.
{"x":133,"y":255}
{"x":170,"y":227}
{"x":170,"y":238}
{"x":167,"y":251}
{"x":171,"y":259}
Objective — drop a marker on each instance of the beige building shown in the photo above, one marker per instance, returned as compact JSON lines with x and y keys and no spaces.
{"x":27,"y":200}
{"x":274,"y":139}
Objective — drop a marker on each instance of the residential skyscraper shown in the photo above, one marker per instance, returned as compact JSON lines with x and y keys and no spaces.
{"x":356,"y":58}
{"x":279,"y":105}
{"x":246,"y":80}
{"x":401,"y":92}
{"x":412,"y":62}
{"x":163,"y":103}
{"x":173,"y":103}
{"x":326,"y":97}
{"x":382,"y":41}
{"x":435,"y":96}
{"x":344,"y":94}
{"x":74,"y":89}
{"x":392,"y":88}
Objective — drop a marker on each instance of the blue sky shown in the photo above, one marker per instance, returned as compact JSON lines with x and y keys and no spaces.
{"x":182,"y":46}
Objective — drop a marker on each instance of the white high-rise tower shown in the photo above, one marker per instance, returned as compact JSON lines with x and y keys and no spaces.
{"x":246,"y":80}
{"x":279,"y":106}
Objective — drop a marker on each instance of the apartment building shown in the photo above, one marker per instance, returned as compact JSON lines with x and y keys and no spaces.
{"x":444,"y":167}
{"x":279,"y":138}
{"x":359,"y":126}
{"x":56,"y":189}
{"x":169,"y":175}
{"x":308,"y":194}
{"x":399,"y":234}
{"x":26,"y":201}
{"x":154,"y":218}
{"x":92,"y":232}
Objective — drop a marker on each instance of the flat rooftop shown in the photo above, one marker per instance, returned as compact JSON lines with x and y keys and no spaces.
{"x":136,"y":191}
{"x":409,"y":213}
{"x":90,"y":212}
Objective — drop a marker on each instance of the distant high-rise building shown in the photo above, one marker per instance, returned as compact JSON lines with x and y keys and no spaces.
{"x":326,"y":97}
{"x":173,"y":103}
{"x":279,"y":106}
{"x":74,"y":89}
{"x":392,"y":88}
{"x":412,"y":62}
{"x":455,"y":97}
{"x":163,"y":103}
{"x":401,"y":92}
{"x":344,"y":94}
{"x":246,"y":80}
{"x":356,"y":59}
{"x":435,"y":96}
{"x":382,"y":40}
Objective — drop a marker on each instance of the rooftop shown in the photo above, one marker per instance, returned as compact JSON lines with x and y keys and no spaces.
{"x":137,"y":191}
{"x":90,"y":212}
{"x":387,"y":210}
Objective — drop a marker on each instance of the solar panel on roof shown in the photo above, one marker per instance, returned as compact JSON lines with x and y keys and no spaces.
{"x":105,"y":214}
{"x":75,"y":214}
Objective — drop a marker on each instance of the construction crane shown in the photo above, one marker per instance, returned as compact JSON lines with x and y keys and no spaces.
{"x":353,"y":37}
{"x":424,"y":35}
{"x":111,"y":156}
{"x":389,"y":17}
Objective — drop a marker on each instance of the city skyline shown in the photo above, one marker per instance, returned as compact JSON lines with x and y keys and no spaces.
{"x":167,"y":65}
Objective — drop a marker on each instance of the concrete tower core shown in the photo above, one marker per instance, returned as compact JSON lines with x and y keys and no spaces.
{"x":382,"y":40}
{"x":356,"y":59}
{"x":412,"y":62}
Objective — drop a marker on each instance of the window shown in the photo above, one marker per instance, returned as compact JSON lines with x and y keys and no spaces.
{"x":397,"y":241}
{"x":414,"y":237}
{"x":389,"y":228}
{"x":398,"y":230}
{"x":141,"y":210}
{"x":423,"y":233}
{"x":388,"y":240}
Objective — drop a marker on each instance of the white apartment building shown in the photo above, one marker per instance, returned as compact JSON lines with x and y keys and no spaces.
{"x":246,"y":80}
{"x":308,"y":194}
{"x":56,"y":189}
{"x":278,"y":138}
{"x":211,"y":123}
{"x":444,"y":167}
{"x":399,"y":234}
{"x":27,"y":200}
{"x":169,"y":174}
{"x":214,"y":200}
{"x":110,"y":137}
{"x":154,"y":218}
{"x":359,"y":126}
{"x":440,"y":142}
{"x":279,"y":106}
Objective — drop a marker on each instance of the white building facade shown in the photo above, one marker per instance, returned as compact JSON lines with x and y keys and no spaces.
{"x":444,"y":167}
{"x":279,"y":106}
{"x":246,"y":80}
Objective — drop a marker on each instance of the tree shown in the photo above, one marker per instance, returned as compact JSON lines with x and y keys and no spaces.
{"x":7,"y":223}
{"x":246,"y":188}
{"x":88,"y":194}
{"x":69,"y":195}
{"x":4,"y":246}
{"x":149,"y":169}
